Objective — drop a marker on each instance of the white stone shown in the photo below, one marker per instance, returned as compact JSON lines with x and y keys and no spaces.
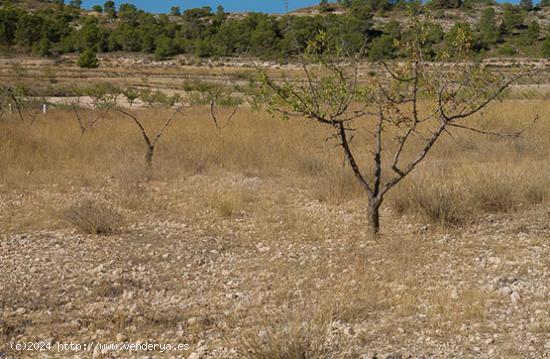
{"x":505,"y":290}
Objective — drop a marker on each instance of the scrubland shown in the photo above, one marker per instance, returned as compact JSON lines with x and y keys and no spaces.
{"x":252,"y":241}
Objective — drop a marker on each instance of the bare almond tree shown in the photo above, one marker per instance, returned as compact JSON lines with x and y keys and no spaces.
{"x":400,"y":111}
{"x":9,"y":101}
{"x":151,"y":139}
{"x":103,"y":99}
{"x":214,"y":96}
{"x":214,"y":114}
{"x":15,"y":99}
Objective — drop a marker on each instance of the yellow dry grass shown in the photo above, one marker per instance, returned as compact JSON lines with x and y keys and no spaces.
{"x":266,"y":183}
{"x":469,"y":172}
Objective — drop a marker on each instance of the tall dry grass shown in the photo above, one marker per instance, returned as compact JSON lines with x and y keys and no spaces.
{"x":464,"y":175}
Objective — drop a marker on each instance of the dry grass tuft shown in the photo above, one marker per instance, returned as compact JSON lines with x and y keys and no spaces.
{"x":227,"y":202}
{"x":437,"y":202}
{"x":93,"y":217}
{"x":459,"y":194}
{"x":304,"y":334}
{"x":336,"y":186}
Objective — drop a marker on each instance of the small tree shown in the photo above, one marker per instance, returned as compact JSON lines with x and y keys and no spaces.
{"x":16,"y":99}
{"x":526,"y":5}
{"x":175,"y":11}
{"x":545,"y":49}
{"x":513,"y":18}
{"x":400,"y":130}
{"x":88,"y":59}
{"x":165,"y":48}
{"x":9,"y":101}
{"x":131,"y":95}
{"x":488,"y":29}
{"x":530,"y":35}
{"x":214,"y":96}
{"x":75,"y":4}
{"x":150,"y":138}
{"x":104,"y":97}
{"x":110,"y":9}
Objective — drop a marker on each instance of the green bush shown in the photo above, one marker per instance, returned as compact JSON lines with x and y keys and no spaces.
{"x":88,"y":59}
{"x":545,"y":49}
{"x":506,"y":50}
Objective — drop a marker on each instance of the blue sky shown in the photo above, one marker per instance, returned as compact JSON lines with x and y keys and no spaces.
{"x":271,"y":6}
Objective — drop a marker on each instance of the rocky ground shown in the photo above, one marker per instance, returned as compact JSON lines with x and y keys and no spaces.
{"x":238,"y":266}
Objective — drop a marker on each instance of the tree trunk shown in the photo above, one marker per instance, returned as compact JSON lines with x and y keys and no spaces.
{"x":373,"y":213}
{"x":149,"y":162}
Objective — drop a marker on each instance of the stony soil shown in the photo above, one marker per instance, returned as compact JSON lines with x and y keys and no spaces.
{"x":220,"y":261}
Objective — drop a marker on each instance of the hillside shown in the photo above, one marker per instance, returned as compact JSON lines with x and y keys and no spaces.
{"x":32,"y":4}
{"x":371,"y":29}
{"x":447,"y":18}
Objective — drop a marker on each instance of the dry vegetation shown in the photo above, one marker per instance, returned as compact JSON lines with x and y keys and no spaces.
{"x":252,"y":241}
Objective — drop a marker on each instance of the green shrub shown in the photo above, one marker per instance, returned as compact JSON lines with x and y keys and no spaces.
{"x":506,"y":50}
{"x":88,"y":59}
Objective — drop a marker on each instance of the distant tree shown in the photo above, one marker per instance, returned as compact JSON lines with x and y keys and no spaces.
{"x":129,"y":13}
{"x":59,"y":3}
{"x":459,"y":41}
{"x":88,"y":59}
{"x":28,"y":30}
{"x":379,"y":6}
{"x":446,"y":4}
{"x":506,"y":50}
{"x":151,"y":139}
{"x":90,"y":35}
{"x":44,"y":47}
{"x":125,"y":37}
{"x":530,"y":35}
{"x":165,"y":48}
{"x":97,"y":8}
{"x":324,"y":6}
{"x":360,"y":20}
{"x":8,"y":26}
{"x":545,"y":49}
{"x":175,"y":11}
{"x":131,"y":94}
{"x":393,"y":29}
{"x":14,"y":98}
{"x":488,"y":29}
{"x":75,"y":4}
{"x":110,"y":9}
{"x":382,"y":48}
{"x":526,"y":5}
{"x":198,"y":13}
{"x":205,"y":33}
{"x":544,"y":3}
{"x":220,"y":11}
{"x":103,"y":96}
{"x":435,"y":33}
{"x":512,"y":18}
{"x":220,"y":17}
{"x":203,"y":48}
